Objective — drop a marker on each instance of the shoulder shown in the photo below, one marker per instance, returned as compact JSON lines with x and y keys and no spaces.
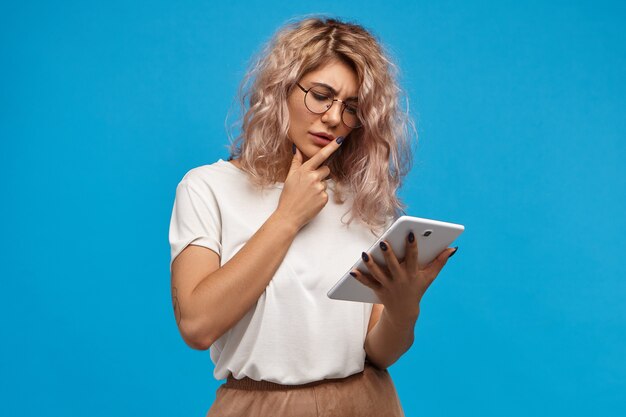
{"x":219,"y":181}
{"x":205,"y":175}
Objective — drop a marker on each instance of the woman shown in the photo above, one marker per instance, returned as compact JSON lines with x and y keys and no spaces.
{"x":257,"y":241}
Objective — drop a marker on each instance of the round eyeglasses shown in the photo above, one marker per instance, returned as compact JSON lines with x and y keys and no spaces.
{"x":319,"y":100}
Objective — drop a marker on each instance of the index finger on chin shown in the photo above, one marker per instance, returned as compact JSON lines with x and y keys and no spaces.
{"x":322,"y":155}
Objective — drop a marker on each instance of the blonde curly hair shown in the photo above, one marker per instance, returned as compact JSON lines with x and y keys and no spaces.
{"x":374,"y":159}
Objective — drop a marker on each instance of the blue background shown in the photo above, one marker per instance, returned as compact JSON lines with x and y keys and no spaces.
{"x":520,"y":114}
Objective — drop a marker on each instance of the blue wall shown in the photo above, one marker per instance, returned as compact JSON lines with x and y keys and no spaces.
{"x":520,"y":114}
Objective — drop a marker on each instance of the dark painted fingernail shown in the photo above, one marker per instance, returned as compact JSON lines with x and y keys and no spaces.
{"x":411,"y":237}
{"x":383,"y":246}
{"x":340,"y":139}
{"x":293,"y":148}
{"x":365,"y":257}
{"x":353,"y":274}
{"x":452,"y":254}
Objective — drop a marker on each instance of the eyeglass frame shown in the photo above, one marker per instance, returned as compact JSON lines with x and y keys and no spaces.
{"x":343,"y":104}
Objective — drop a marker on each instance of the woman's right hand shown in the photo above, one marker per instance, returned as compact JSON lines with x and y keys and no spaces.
{"x":304,"y":193}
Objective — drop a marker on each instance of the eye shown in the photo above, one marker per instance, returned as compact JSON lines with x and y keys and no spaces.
{"x":352,"y":109}
{"x":319,"y":95}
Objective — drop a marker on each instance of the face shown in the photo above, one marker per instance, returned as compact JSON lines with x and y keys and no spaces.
{"x":306,"y":126}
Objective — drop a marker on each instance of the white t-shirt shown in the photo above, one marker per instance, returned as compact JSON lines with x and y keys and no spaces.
{"x":294,"y":334}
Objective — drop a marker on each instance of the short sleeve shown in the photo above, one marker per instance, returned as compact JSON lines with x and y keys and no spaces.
{"x":195,"y":218}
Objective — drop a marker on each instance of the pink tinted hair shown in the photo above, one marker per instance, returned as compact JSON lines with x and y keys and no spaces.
{"x":373,"y":160}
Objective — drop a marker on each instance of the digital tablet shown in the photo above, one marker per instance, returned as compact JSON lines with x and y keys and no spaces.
{"x":432,"y":236}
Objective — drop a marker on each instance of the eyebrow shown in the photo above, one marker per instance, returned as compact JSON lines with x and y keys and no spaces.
{"x":333,"y":90}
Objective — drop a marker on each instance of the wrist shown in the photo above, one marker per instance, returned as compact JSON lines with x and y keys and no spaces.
{"x":400,"y":321}
{"x":286,"y":223}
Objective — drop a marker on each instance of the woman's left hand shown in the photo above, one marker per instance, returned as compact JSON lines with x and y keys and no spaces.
{"x":400,"y":286}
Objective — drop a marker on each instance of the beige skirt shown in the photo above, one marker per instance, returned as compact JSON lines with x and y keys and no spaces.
{"x":367,"y":393}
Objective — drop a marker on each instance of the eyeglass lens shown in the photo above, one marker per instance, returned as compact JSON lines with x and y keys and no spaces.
{"x":319,"y":101}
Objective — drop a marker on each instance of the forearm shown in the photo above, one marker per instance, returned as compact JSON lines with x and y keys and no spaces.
{"x":389,"y":339}
{"x":221,"y":299}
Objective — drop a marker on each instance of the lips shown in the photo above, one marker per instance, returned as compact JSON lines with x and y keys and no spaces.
{"x":323,"y":135}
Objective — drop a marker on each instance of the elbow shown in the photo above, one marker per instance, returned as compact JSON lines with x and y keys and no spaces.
{"x":195,"y":337}
{"x":373,"y":359}
{"x":375,"y":364}
{"x":196,"y":344}
{"x":384,"y":358}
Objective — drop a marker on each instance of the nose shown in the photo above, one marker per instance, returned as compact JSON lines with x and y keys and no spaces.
{"x":333,"y":115}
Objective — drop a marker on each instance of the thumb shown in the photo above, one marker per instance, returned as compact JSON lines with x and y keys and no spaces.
{"x":296,"y":162}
